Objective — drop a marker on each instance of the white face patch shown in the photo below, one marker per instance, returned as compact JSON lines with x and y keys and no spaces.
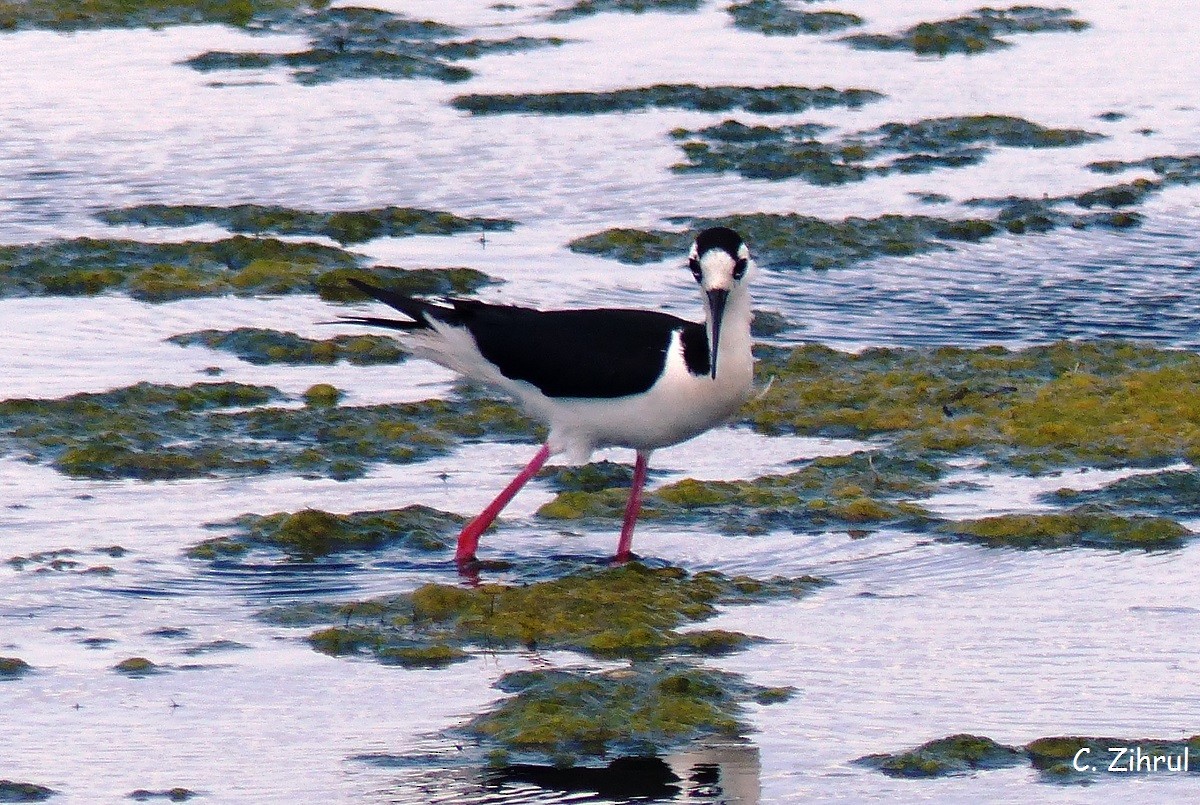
{"x":716,"y":269}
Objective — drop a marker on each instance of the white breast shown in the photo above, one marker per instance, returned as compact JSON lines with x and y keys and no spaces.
{"x":677,"y":407}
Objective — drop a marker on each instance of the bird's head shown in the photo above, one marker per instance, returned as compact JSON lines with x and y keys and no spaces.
{"x":721,"y":264}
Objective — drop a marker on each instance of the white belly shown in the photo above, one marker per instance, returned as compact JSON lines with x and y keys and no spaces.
{"x":676,"y":408}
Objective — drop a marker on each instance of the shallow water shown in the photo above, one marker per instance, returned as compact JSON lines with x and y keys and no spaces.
{"x":917,"y":639}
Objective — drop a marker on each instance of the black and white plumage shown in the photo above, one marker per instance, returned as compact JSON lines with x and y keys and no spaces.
{"x":605,"y":377}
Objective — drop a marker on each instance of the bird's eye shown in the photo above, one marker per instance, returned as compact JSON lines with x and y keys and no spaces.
{"x":694,"y":265}
{"x":739,"y":268}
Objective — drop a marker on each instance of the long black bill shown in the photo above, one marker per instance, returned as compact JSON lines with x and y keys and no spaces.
{"x":716,"y":310}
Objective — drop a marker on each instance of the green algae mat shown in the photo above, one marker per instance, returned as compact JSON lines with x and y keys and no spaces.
{"x":239,"y":265}
{"x":313,"y":533}
{"x":251,"y":262}
{"x":760,"y":100}
{"x":260,"y":346}
{"x":1097,"y":403}
{"x":161,"y":432}
{"x":353,"y":43}
{"x":72,"y":15}
{"x":588,"y":8}
{"x":766,"y":152}
{"x":778,"y":18}
{"x":793,"y":241}
{"x":659,"y":699}
{"x":1069,"y":759}
{"x":346,"y":226}
{"x":980,"y":31}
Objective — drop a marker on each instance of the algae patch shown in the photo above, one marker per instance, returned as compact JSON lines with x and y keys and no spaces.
{"x":73,"y":15}
{"x":241,"y":265}
{"x":1101,"y":403}
{"x":643,"y":710}
{"x":313,"y":533}
{"x":760,"y":100}
{"x":13,"y":668}
{"x":631,"y":611}
{"x":154,"y":432}
{"x":957,"y":754}
{"x":1081,"y":526}
{"x":661,"y":700}
{"x":1172,"y":493}
{"x":588,"y":8}
{"x":1063,"y":758}
{"x":765,"y":152}
{"x":177,"y":794}
{"x":980,"y":31}
{"x":352,"y":43}
{"x":861,"y":489}
{"x":159,"y":272}
{"x":777,"y":18}
{"x":13,"y":791}
{"x":137,"y":667}
{"x":62,"y":560}
{"x":346,"y":226}
{"x":1059,"y":759}
{"x":259,"y":346}
{"x":797,"y":241}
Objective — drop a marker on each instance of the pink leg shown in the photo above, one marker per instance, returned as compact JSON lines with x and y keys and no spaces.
{"x":468,"y":540}
{"x":632,"y":508}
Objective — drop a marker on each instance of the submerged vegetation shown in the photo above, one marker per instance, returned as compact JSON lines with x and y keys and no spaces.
{"x":778,"y":18}
{"x":1057,"y":758}
{"x":350,"y":42}
{"x":137,"y":667}
{"x":566,"y":715}
{"x":632,"y":611}
{"x":980,"y":31}
{"x":153,"y":432}
{"x":765,"y":152}
{"x":346,"y":226}
{"x":1103,"y":403}
{"x":957,"y":754}
{"x":797,"y":241}
{"x":13,"y":667}
{"x":587,"y":8}
{"x":13,"y":791}
{"x":864,"y":489}
{"x":660,"y":701}
{"x":760,"y":100}
{"x":313,"y":533}
{"x":1172,"y":493}
{"x":159,"y":272}
{"x":260,"y":347}
{"x":74,"y":15}
{"x":246,"y":266}
{"x":1086,"y":527}
{"x":803,"y":241}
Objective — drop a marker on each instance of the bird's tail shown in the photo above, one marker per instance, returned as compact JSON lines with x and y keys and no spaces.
{"x":415,"y":309}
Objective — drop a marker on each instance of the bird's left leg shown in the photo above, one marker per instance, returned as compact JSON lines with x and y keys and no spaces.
{"x":468,"y":540}
{"x":624,"y":554}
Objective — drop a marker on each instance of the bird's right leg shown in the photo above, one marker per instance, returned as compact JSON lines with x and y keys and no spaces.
{"x":625,"y":545}
{"x":468,"y":540}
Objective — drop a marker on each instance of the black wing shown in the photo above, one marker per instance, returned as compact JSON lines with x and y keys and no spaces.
{"x":605,"y":352}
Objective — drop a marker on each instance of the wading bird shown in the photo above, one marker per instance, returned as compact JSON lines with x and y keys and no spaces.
{"x":604,"y":377}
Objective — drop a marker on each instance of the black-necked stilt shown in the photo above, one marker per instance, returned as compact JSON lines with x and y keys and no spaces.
{"x":605,"y":377}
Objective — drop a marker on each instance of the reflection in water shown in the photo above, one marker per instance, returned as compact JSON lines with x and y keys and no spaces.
{"x":624,"y":778}
{"x":727,"y":774}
